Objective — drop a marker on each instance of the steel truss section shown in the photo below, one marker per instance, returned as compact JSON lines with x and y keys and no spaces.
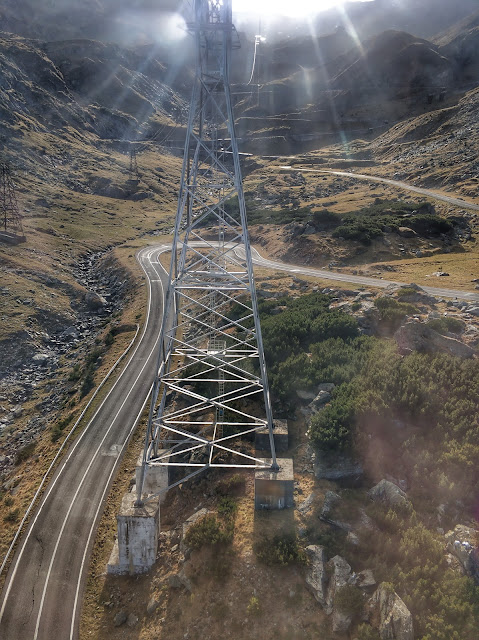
{"x":211,"y":393}
{"x":11,"y":220}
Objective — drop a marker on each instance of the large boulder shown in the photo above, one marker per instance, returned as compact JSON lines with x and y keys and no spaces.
{"x":316,"y":578}
{"x":416,"y":336}
{"x":389,"y":494}
{"x":462,"y":543}
{"x":337,"y":467}
{"x":395,"y":619}
{"x":341,"y":575}
{"x":94,"y":301}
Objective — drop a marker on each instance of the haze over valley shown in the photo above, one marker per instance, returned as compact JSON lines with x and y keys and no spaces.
{"x":358,"y":129}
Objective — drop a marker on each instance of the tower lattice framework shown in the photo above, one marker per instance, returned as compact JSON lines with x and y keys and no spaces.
{"x":211,"y":393}
{"x":11,"y":220}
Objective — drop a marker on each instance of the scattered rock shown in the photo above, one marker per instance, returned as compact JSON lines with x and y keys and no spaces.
{"x":152,"y":606}
{"x":395,"y":620}
{"x":389,"y":494}
{"x":416,"y":336}
{"x":331,"y":499}
{"x":352,"y":539}
{"x":474,"y":311}
{"x":94,"y":301}
{"x":306,"y":505}
{"x":316,"y":578}
{"x":120,"y":618}
{"x":406,"y":232}
{"x":340,"y":468}
{"x":366,"y":580}
{"x":305,"y":395}
{"x":341,"y":576}
{"x":461,"y":543}
{"x":179,"y":581}
{"x":132,"y":620}
{"x":321,"y":399}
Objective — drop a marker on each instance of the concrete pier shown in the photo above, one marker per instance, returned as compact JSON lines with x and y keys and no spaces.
{"x":274,"y":489}
{"x":137,"y":543}
{"x":156,"y":478}
{"x":280,"y":436}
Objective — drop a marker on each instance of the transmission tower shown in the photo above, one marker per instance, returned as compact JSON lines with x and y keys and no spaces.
{"x":134,"y":174}
{"x":211,"y":393}
{"x":11,"y":219}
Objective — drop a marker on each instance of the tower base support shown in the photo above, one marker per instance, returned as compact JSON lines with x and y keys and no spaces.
{"x":274,"y":489}
{"x":137,"y":542}
{"x":280,"y":436}
{"x":156,"y":478}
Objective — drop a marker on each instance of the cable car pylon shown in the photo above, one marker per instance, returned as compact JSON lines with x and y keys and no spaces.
{"x":210,"y":392}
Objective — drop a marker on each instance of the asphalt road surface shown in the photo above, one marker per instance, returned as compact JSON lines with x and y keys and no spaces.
{"x":439,"y":292}
{"x":43,"y":591}
{"x":458,"y":202}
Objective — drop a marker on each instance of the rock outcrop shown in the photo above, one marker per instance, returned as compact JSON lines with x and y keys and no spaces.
{"x":462,"y":543}
{"x":395,"y":619}
{"x":316,"y":578}
{"x":389,"y":494}
{"x":415,"y":336}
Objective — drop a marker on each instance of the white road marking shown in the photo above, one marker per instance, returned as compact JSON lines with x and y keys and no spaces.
{"x":77,"y":593}
{"x":47,"y":579}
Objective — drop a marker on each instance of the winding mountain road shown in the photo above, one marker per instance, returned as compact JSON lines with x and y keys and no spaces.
{"x":458,"y":202}
{"x":439,"y":292}
{"x":42,"y":596}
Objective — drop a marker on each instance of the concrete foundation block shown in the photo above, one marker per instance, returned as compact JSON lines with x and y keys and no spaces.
{"x":137,"y":543}
{"x":280,"y":436}
{"x":274,"y":489}
{"x":156,"y":478}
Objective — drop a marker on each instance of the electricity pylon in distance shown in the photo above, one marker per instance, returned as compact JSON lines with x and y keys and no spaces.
{"x":11,"y":220}
{"x":211,"y":391}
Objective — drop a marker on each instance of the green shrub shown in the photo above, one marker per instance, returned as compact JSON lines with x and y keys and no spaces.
{"x":12,"y":516}
{"x":235,"y":484}
{"x":331,"y":428}
{"x":324,"y":220}
{"x":254,"y":607}
{"x":280,"y":550}
{"x":349,"y":600}
{"x":392,"y":312}
{"x":88,"y":384}
{"x":25,"y":452}
{"x":366,"y":632}
{"x":8,"y":501}
{"x":60,"y":426}
{"x":209,"y":530}
{"x":447,"y":324}
{"x":75,"y":373}
{"x":227,"y":507}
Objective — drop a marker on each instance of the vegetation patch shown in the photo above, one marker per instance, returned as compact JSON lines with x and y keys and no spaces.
{"x":280,"y":550}
{"x":389,"y":216}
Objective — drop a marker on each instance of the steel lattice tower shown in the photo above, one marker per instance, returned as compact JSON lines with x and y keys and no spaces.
{"x":211,"y":391}
{"x":11,"y":220}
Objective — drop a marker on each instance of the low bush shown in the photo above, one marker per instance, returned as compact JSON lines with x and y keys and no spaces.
{"x":447,"y":324}
{"x":12,"y":516}
{"x":279,"y":550}
{"x":58,"y":428}
{"x":392,"y":312}
{"x":209,"y":530}
{"x":25,"y":452}
{"x":349,"y":600}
